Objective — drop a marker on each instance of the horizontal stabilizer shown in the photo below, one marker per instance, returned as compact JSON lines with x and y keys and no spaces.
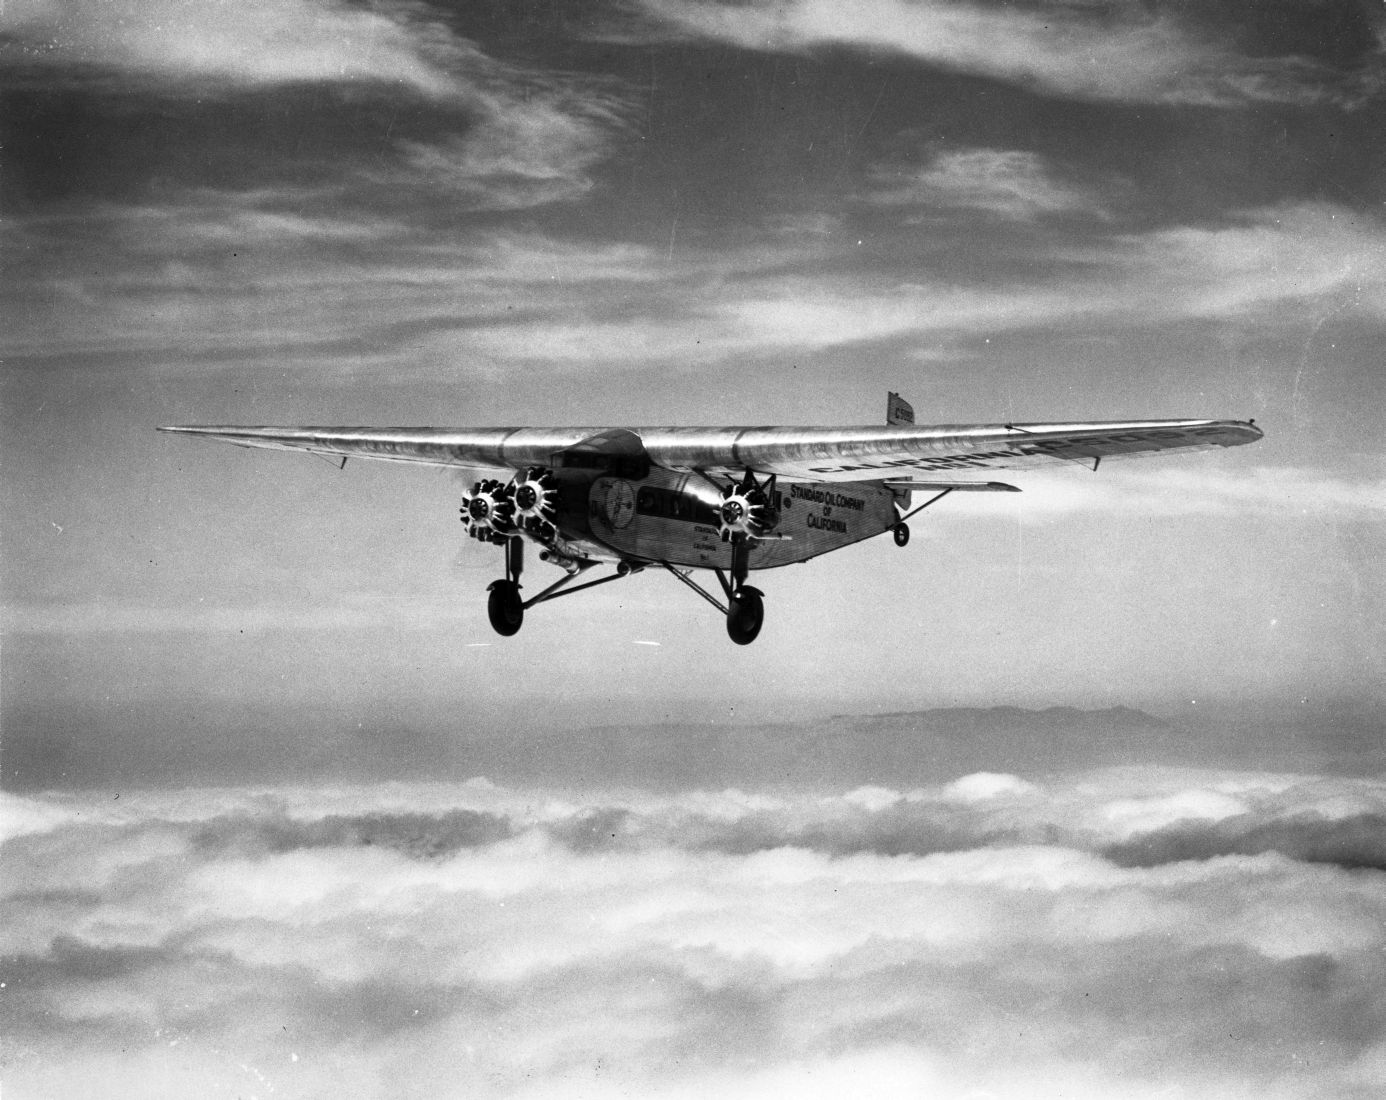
{"x":955,"y":486}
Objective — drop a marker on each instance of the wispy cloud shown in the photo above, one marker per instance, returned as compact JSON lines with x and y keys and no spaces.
{"x":1005,"y":182}
{"x":477,"y":941}
{"x":1117,"y":50}
{"x":254,"y":43}
{"x":519,"y":136}
{"x":282,"y":268}
{"x":1313,"y":256}
{"x":537,"y":139}
{"x":1263,"y":491}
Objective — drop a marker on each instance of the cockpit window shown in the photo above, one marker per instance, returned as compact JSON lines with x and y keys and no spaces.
{"x":669,"y":504}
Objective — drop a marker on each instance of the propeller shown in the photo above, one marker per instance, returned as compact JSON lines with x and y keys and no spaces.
{"x":535,"y":493}
{"x":747,"y":510}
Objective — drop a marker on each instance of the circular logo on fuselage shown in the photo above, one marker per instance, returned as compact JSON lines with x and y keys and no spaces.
{"x":619,"y":504}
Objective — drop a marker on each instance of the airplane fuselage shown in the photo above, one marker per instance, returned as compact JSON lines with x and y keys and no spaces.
{"x":673,"y":517}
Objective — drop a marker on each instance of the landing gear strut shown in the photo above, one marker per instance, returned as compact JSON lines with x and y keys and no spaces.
{"x":505,"y":607}
{"x":745,"y":605}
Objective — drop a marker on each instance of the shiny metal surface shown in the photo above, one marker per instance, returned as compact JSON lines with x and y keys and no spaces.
{"x":814,"y":519}
{"x":794,"y":453}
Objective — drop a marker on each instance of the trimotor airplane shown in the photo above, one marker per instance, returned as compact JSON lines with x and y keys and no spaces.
{"x":730,"y":499}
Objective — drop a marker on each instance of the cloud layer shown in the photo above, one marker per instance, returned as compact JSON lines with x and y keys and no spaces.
{"x":238,"y":273}
{"x":1121,"y":933}
{"x":1108,"y":51}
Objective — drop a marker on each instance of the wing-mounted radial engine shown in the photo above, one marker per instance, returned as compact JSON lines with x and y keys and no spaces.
{"x":535,"y":496}
{"x":748,"y":509}
{"x":488,"y":510}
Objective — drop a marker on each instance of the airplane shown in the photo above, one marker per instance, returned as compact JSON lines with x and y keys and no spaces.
{"x":726,"y":499}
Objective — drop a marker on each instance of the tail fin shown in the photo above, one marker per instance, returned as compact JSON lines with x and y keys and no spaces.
{"x":898,"y":410}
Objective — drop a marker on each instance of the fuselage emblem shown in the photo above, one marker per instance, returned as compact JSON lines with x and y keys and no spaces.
{"x":619,"y":505}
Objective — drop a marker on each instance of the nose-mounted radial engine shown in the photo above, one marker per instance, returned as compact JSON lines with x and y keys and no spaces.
{"x":748,"y":509}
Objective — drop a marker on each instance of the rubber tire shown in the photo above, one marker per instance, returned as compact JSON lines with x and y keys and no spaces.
{"x":505,"y":609}
{"x":901,"y":531}
{"x":745,"y":616}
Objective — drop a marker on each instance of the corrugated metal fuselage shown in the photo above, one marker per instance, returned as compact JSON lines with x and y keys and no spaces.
{"x":666,"y":516}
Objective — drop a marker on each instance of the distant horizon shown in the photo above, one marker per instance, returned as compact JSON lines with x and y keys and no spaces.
{"x":1348,"y":736}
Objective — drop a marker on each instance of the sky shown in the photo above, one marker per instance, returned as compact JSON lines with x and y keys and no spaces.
{"x":658,"y":212}
{"x":1078,"y":795}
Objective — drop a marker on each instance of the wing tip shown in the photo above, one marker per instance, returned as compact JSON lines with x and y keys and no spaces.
{"x":1236,"y":433}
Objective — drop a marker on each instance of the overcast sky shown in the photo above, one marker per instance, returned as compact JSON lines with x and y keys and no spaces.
{"x":290,"y":211}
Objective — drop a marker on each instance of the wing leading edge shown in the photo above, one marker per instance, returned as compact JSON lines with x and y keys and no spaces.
{"x":808,"y":454}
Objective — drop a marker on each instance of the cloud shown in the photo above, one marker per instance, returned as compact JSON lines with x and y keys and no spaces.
{"x":248,"y":43}
{"x":512,"y":136}
{"x":1006,"y":183}
{"x":1286,"y":266}
{"x":1120,"y":50}
{"x":537,"y":140}
{"x":1308,"y":256}
{"x":983,"y":786}
{"x":1170,"y":490}
{"x":995,"y":937}
{"x":216,"y":272}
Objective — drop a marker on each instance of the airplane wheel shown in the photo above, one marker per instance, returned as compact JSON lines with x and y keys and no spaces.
{"x":745,"y":616}
{"x":901,"y":531}
{"x":505,"y":608}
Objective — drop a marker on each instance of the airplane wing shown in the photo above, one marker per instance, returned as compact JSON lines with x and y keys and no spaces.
{"x":895,"y":452}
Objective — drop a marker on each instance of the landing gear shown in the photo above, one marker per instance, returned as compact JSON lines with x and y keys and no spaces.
{"x":505,"y":607}
{"x":745,"y":605}
{"x":525,"y":507}
{"x":901,"y":531}
{"x":745,"y":615}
